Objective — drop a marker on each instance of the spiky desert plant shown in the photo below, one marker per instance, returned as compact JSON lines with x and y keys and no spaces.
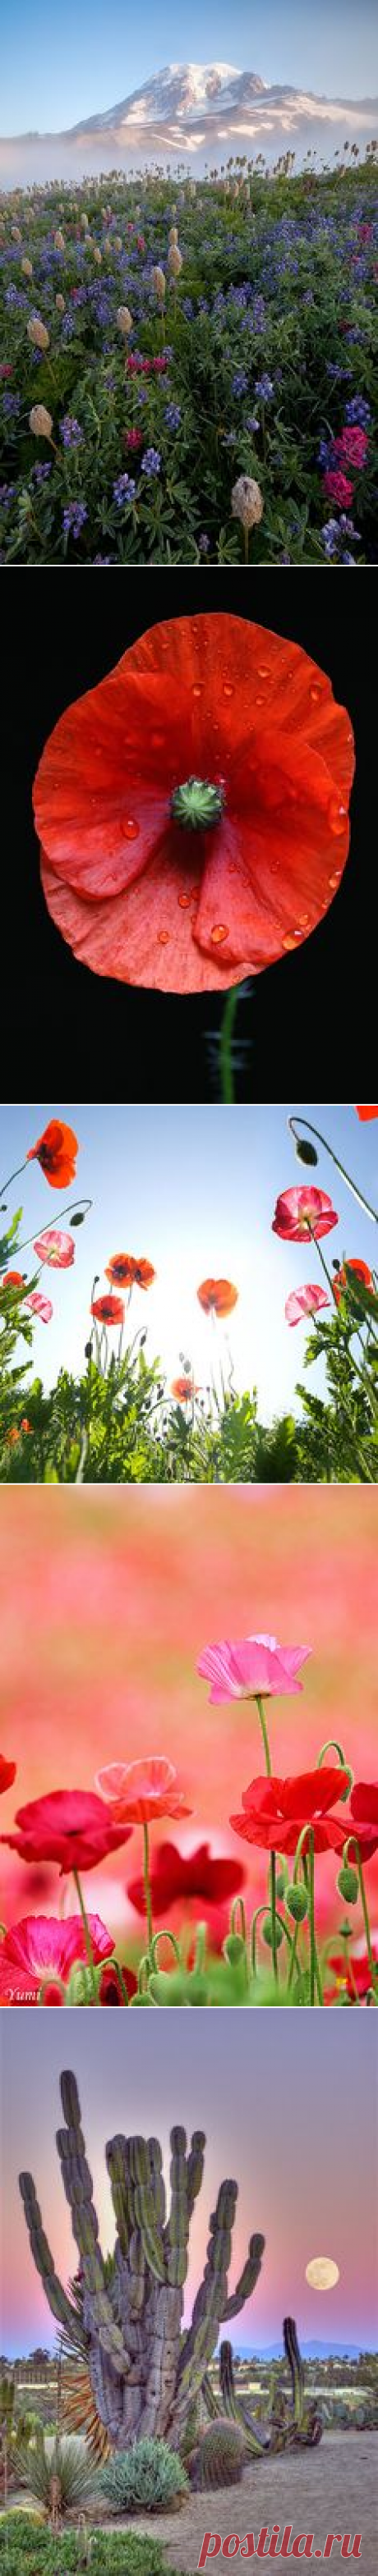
{"x":220,"y":2455}
{"x":149,"y":2475}
{"x":66,"y":2463}
{"x":126,"y":2324}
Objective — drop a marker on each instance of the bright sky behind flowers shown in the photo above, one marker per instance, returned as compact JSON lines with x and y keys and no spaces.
{"x":293,"y":2174}
{"x":193,"y":1189}
{"x":55,"y":70}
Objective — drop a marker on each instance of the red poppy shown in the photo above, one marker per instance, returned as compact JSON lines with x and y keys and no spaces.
{"x":276,"y":1811}
{"x":108,"y":1310}
{"x":12,"y":1279}
{"x":363,"y":1812}
{"x":40,"y":1943}
{"x":110,"y":1990}
{"x":184,"y":1389}
{"x":364,"y":1112}
{"x":180,"y":1877}
{"x":139,"y":1791}
{"x":56,"y":1152}
{"x":127,"y":1273}
{"x":68,"y":1826}
{"x":7,"y":1773}
{"x":340,"y":1279}
{"x":192,"y":810}
{"x":355,"y":1973}
{"x":217,"y":1296}
{"x":298,"y":1210}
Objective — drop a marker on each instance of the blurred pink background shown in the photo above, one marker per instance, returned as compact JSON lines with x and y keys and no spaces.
{"x":106,"y":1602}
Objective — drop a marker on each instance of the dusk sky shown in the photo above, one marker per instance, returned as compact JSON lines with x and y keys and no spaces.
{"x":289,"y":2107}
{"x":193,"y":1190}
{"x":57,"y":69}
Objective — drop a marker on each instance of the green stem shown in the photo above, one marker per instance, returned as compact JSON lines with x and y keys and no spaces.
{"x":272,"y":1875}
{"x":225,"y":1045}
{"x":264,"y":1732}
{"x":147,"y":1886}
{"x":339,"y":1167}
{"x":311,"y":1918}
{"x":238,"y":1905}
{"x":13,"y":1176}
{"x":293,"y":1961}
{"x":69,"y":1210}
{"x":372,"y":1961}
{"x":87,"y":1937}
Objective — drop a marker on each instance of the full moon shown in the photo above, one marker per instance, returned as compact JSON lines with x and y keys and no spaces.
{"x":321,"y":2273}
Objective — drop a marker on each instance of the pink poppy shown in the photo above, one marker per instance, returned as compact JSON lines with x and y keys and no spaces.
{"x":68,"y":1826}
{"x":55,"y":1248}
{"x":40,"y":1306}
{"x":302,"y":1212}
{"x":138,"y":1791}
{"x":251,"y":1668}
{"x":40,"y":1944}
{"x":304,"y":1301}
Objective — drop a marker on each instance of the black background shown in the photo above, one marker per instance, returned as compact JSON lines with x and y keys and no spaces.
{"x":309,"y":1020}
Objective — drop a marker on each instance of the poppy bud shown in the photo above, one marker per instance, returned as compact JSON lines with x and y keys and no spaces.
{"x":88,"y":1351}
{"x":234,"y":1949}
{"x":347,"y":1883}
{"x":297,"y":1904}
{"x":79,"y":1219}
{"x":40,"y":421}
{"x":247,"y":501}
{"x":306,"y":1153}
{"x":267,"y":1933}
{"x":143,"y":1339}
{"x":281,"y":1885}
{"x":37,"y":333}
{"x":80,"y":1985}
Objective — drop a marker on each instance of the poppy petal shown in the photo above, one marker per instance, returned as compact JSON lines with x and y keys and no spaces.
{"x":144,"y":936}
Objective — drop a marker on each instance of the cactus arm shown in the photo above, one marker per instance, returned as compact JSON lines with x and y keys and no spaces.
{"x":58,"y":2302}
{"x":293,"y":2356}
{"x":257,"y":2435}
{"x":248,"y":2279}
{"x":177,"y":2231}
{"x":145,"y":2211}
{"x":195,"y":2165}
{"x":116,"y":2164}
{"x":210,"y":2301}
{"x":77,"y":2181}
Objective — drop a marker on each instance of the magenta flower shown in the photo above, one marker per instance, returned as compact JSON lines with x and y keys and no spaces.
{"x":40,"y":1306}
{"x":251,"y":1668}
{"x":304,"y":1301}
{"x":301,"y":1212}
{"x":43,"y":1947}
{"x":55,"y":1248}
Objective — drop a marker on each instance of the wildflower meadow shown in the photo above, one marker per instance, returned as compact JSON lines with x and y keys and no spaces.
{"x":187,"y":368}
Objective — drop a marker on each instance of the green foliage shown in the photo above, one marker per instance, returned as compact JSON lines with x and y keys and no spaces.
{"x":148,"y":2475}
{"x":221,"y":2455}
{"x":66,"y":2461}
{"x":27,"y":2547}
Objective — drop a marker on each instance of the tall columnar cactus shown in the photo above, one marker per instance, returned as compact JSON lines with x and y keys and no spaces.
{"x":125,"y":2327}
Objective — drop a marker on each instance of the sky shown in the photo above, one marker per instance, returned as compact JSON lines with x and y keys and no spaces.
{"x":57,"y":67}
{"x":193,"y":1190}
{"x":297,"y":2173}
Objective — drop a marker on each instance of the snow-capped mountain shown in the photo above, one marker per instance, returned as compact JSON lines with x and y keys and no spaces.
{"x":198,"y":113}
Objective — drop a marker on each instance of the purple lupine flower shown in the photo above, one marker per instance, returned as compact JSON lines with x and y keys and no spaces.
{"x":239,"y":383}
{"x":251,"y":422}
{"x":70,"y":431}
{"x":204,"y":545}
{"x":151,"y":461}
{"x":357,"y":412}
{"x":73,"y":518}
{"x":265,"y":389}
{"x":40,"y":473}
{"x":172,"y":415}
{"x":7,"y":491}
{"x":124,"y":490}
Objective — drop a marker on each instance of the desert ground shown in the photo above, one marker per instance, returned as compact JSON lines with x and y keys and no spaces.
{"x":329,"y":2489}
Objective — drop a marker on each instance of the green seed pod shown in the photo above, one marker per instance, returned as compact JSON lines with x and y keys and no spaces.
{"x":267,"y":1932}
{"x":348,"y":1884}
{"x":297,"y":1903}
{"x":234,"y":1949}
{"x":281,"y":1887}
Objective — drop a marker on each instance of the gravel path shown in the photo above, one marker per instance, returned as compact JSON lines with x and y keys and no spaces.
{"x":334,"y":2488}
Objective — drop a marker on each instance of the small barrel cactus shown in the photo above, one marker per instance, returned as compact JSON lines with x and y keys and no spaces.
{"x":220,"y":2455}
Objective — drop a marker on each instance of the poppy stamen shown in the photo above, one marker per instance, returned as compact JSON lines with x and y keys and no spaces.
{"x":197,"y":803}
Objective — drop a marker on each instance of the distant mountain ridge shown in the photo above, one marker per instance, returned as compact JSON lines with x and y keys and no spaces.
{"x":191,"y":108}
{"x":312,"y":2351}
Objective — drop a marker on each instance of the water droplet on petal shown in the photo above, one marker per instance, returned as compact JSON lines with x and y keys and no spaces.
{"x":262,"y":671}
{"x":303,"y":918}
{"x":197,"y":691}
{"x":156,"y":740}
{"x":315,"y":694}
{"x":335,"y":880}
{"x":259,"y":700}
{"x":228,"y":690}
{"x":338,"y":816}
{"x":184,"y":900}
{"x":163,"y":937}
{"x":288,"y":943}
{"x":218,"y":933}
{"x":130,"y":830}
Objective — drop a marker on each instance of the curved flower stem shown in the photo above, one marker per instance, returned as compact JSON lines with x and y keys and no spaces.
{"x":238,"y":1902}
{"x":332,"y":1746}
{"x":87,"y":1937}
{"x":273,"y":1910}
{"x":307,"y":1836}
{"x":13,"y":1176}
{"x":118,"y":1972}
{"x":72,"y":1206}
{"x":165,"y":1935}
{"x":372,"y":1961}
{"x":147,"y":1887}
{"x":225,"y":1043}
{"x":264,"y":1732}
{"x":260,"y":1909}
{"x":339,"y":1167}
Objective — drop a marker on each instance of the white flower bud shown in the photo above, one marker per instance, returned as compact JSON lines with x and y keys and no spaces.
{"x":158,"y":281}
{"x":247,"y":501}
{"x":60,"y":303}
{"x":125,"y":320}
{"x":26,"y":268}
{"x":40,"y":421}
{"x":59,"y":242}
{"x":175,"y":260}
{"x":37,"y":333}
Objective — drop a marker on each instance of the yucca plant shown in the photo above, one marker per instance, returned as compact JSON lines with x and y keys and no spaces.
{"x":66,"y":2464}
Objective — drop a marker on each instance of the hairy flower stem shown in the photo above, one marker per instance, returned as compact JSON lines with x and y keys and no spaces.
{"x":87,"y":1937}
{"x":339,"y":1167}
{"x":273,"y":1910}
{"x":264,"y":1732}
{"x":225,"y":1041}
{"x":372,"y":1961}
{"x":307,"y":1836}
{"x":147,"y":1887}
